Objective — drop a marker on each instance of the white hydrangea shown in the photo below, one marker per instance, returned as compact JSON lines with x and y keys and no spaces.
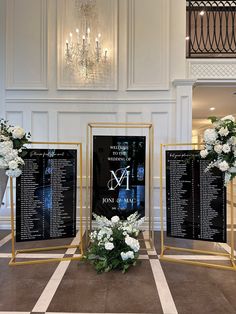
{"x":12,"y":165}
{"x":204,"y":153}
{"x":218,"y":148}
{"x":109,"y":246}
{"x":224,"y":131}
{"x":132,"y":243}
{"x":127,"y":255}
{"x":14,"y":173}
{"x":223,"y":166}
{"x":229,"y":117}
{"x":210,"y":136}
{"x":3,"y":163}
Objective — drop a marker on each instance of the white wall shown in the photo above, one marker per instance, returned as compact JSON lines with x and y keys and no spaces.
{"x":150,"y":57}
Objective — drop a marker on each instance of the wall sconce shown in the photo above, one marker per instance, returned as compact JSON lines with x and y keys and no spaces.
{"x":85,"y":56}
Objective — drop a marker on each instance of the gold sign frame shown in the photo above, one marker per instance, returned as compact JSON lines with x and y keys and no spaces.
{"x":113,"y":125}
{"x":16,"y":253}
{"x":229,"y":256}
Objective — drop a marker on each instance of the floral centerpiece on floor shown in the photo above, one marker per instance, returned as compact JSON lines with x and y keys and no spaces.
{"x":12,"y":141}
{"x":220,"y":146}
{"x":114,"y":243}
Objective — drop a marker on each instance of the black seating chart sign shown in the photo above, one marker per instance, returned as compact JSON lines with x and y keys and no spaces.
{"x":46,"y":195}
{"x":195,"y":199}
{"x":118,"y":175}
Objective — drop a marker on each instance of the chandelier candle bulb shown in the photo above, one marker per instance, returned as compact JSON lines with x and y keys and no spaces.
{"x":71,"y":38}
{"x":77,"y":32}
{"x":105,"y":54}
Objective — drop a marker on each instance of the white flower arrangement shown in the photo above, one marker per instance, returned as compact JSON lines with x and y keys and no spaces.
{"x":114,"y":243}
{"x":12,"y":140}
{"x":220,"y":146}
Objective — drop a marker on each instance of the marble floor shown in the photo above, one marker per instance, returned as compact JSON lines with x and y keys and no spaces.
{"x":153,"y":286}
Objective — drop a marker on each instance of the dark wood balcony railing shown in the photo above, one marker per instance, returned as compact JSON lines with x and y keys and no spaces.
{"x":211,"y":29}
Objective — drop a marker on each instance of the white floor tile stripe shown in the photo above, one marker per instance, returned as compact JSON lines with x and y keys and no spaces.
{"x":227,"y":248}
{"x":5,"y":240}
{"x":198,"y":257}
{"x":165,"y":296}
{"x":167,"y":302}
{"x":51,"y":287}
{"x":27,"y":255}
{"x":14,"y":312}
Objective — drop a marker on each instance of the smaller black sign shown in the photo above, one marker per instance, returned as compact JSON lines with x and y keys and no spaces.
{"x":46,"y":195}
{"x":196,"y":199}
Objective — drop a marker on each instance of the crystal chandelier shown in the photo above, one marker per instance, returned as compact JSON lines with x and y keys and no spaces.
{"x":85,"y":56}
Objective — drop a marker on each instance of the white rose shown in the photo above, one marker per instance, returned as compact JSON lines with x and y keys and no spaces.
{"x":204,"y":153}
{"x":18,"y":132}
{"x":115,"y":219}
{"x":226,"y":148}
{"x":210,"y":135}
{"x":229,"y":117}
{"x":223,"y":166}
{"x":12,"y":165}
{"x":224,"y":131}
{"x":232,"y":140}
{"x":109,"y":246}
{"x":14,"y":173}
{"x":218,"y":148}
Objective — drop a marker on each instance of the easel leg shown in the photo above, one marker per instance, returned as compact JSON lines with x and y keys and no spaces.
{"x":12,"y":220}
{"x":232,"y":220}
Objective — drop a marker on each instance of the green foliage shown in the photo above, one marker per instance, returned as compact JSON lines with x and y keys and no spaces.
{"x":105,"y":259}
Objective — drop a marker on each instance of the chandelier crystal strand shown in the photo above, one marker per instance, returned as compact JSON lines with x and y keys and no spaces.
{"x":84,"y":55}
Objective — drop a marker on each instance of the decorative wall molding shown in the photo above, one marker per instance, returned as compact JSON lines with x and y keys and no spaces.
{"x":212,"y":69}
{"x":25,"y":83}
{"x":162,"y":54}
{"x":90,"y":101}
{"x":72,"y":83}
{"x":183,"y":110}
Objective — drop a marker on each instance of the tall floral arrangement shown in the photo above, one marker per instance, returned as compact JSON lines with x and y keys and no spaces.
{"x":114,"y":243}
{"x":12,"y":141}
{"x":220,"y":146}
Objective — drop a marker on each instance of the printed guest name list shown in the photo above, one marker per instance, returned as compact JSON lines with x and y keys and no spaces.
{"x":196,"y":199}
{"x":46,"y":195}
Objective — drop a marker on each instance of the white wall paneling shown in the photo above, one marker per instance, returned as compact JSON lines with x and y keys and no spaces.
{"x":35,"y":30}
{"x":68,"y":21}
{"x":184,"y":110}
{"x":26,"y":44}
{"x":69,"y":119}
{"x":148,"y":45}
{"x":40,"y":126}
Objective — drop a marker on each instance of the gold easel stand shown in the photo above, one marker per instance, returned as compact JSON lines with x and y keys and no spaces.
{"x":229,"y":256}
{"x":89,"y":173}
{"x":17,"y":253}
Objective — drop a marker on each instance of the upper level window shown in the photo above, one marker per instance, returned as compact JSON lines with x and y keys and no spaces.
{"x":211,"y":29}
